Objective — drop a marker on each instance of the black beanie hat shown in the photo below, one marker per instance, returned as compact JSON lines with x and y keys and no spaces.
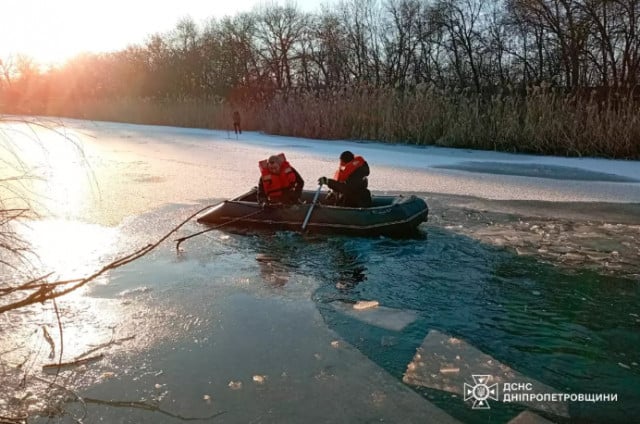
{"x":346,"y":156}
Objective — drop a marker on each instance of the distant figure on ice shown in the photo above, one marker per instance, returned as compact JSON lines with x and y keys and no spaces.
{"x":236,"y":122}
{"x":279,"y":181}
{"x":349,"y":184}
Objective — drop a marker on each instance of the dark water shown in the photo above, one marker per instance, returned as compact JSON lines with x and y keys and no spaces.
{"x":573,"y":330}
{"x":539,"y":171}
{"x":569,"y":330}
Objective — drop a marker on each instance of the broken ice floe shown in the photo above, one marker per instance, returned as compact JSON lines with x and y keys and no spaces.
{"x":380,"y":316}
{"x":447,"y":363}
{"x":528,"y":417}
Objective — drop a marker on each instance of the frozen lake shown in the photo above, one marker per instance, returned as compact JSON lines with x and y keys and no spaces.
{"x":519,"y":255}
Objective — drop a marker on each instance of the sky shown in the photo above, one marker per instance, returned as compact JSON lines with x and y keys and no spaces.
{"x":51,"y":31}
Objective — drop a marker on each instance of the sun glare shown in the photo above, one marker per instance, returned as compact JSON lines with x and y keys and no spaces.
{"x":53,"y":178}
{"x":70,"y":249}
{"x":68,"y":179}
{"x":53,"y":31}
{"x":51,"y":166}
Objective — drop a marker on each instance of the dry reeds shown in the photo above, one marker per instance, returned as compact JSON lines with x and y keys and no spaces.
{"x":542,"y":121}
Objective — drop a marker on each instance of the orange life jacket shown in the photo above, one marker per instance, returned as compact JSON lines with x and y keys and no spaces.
{"x":347,"y":169}
{"x":275,"y":184}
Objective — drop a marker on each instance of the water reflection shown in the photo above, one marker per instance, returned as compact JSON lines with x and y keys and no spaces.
{"x":51,"y":170}
{"x":41,"y":334}
{"x":69,"y":179}
{"x":68,"y":249}
{"x":351,"y":267}
{"x":272,"y":270}
{"x":277,"y":257}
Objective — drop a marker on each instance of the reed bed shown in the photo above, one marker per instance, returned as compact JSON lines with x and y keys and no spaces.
{"x":542,"y":121}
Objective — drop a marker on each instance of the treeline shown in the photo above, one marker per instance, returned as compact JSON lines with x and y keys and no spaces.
{"x":478,"y":73}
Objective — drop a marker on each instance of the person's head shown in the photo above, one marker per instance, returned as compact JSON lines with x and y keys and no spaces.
{"x":346,"y":157}
{"x":274,"y":163}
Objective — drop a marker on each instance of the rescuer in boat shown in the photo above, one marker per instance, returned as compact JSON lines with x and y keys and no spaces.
{"x":279,"y":181}
{"x":349,"y":185}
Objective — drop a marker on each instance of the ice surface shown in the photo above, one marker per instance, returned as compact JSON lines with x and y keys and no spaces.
{"x":446,"y":363}
{"x":135,"y":169}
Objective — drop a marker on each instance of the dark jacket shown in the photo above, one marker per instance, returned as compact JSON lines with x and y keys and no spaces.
{"x":289,"y":196}
{"x":353,"y":193}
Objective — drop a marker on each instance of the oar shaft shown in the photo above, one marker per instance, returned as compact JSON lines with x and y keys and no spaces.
{"x":313,"y":204}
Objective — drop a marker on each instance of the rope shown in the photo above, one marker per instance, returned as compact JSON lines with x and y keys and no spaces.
{"x":181,"y":239}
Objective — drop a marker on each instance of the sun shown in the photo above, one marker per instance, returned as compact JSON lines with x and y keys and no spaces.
{"x":36,"y":29}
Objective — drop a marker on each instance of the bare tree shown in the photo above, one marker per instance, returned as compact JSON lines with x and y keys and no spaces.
{"x":280,"y":35}
{"x":461,"y":22}
{"x":563,"y":25}
{"x":6,"y":72}
{"x":614,"y":49}
{"x":359,"y":21}
{"x":329,"y":49}
{"x":402,"y":41}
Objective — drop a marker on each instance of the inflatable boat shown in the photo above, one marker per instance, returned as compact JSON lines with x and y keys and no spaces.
{"x":388,"y":215}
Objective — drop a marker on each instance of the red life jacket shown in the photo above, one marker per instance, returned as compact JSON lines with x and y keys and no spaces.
{"x":275,"y":184}
{"x":347,"y":169}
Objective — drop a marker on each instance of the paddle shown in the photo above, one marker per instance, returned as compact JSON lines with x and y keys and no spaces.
{"x":313,"y":204}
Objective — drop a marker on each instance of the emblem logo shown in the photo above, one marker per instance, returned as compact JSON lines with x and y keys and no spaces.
{"x":481,"y":392}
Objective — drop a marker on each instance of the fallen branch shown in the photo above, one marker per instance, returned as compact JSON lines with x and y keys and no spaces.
{"x":103,"y":345}
{"x":11,"y":420}
{"x":74,"y":363}
{"x":46,"y":291}
{"x":148,"y":407}
{"x":49,"y":340}
{"x":53,"y":383}
{"x":31,"y":284}
{"x":55,"y":307}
